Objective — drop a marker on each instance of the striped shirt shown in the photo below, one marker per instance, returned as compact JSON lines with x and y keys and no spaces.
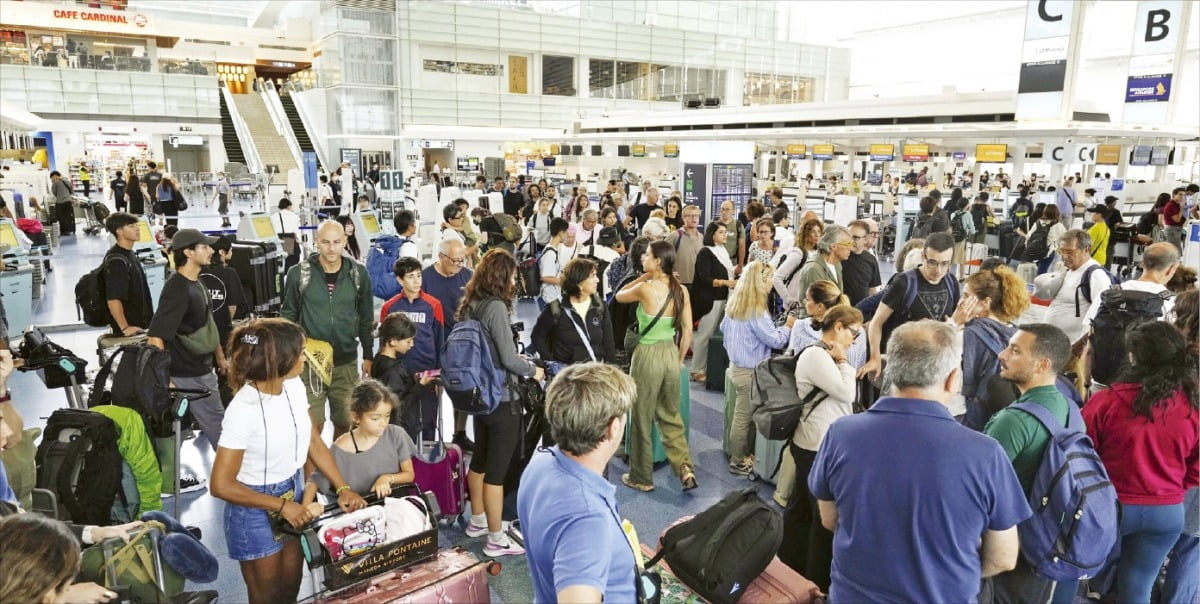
{"x":749,"y":343}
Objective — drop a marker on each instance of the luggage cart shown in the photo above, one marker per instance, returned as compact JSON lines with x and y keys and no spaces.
{"x":55,"y":365}
{"x":94,"y":212}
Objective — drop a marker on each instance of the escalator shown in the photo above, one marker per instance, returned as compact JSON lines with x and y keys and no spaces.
{"x":233,"y":147}
{"x":293,"y":116}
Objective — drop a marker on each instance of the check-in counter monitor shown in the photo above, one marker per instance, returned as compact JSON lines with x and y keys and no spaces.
{"x":367,"y":228}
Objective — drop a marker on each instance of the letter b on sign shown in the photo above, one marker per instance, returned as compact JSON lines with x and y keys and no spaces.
{"x":1157,"y":25}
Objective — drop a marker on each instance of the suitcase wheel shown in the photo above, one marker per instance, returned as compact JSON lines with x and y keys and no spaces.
{"x":493,"y":568}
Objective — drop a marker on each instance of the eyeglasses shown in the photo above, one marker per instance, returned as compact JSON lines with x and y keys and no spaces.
{"x":935,"y":264}
{"x":844,"y":244}
{"x":873,"y":234}
{"x":855,"y":332}
{"x":452,"y":259}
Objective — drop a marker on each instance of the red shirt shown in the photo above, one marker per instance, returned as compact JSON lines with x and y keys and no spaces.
{"x":1149,"y":463}
{"x":1169,"y":211}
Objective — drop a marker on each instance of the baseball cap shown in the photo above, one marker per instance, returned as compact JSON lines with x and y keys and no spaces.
{"x":186,"y":238}
{"x":608,"y":237}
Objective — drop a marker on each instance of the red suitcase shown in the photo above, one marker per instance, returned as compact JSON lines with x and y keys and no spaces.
{"x":778,"y":584}
{"x":454,"y":575}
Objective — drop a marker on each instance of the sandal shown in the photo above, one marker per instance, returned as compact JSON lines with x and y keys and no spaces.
{"x":645,"y":488}
{"x":687,"y":477}
{"x":700,"y":377}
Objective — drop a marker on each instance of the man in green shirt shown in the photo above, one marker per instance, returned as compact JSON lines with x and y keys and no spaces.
{"x":1032,"y":360}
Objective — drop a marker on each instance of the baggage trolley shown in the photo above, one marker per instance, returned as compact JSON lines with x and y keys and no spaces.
{"x":352,"y":568}
{"x":94,"y":212}
{"x":55,"y":365}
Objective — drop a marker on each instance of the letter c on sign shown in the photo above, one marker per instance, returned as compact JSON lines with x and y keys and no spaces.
{"x":1045,"y":16}
{"x":1086,"y":154}
{"x":1057,"y":153}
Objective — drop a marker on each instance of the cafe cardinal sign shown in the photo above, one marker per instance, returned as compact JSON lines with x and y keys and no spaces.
{"x":99,"y":17}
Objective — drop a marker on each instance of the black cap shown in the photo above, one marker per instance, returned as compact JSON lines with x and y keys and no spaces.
{"x":1099,"y":209}
{"x":186,"y":238}
{"x":608,"y":237}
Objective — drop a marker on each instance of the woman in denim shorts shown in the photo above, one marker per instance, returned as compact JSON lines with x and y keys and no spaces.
{"x":258,"y":470}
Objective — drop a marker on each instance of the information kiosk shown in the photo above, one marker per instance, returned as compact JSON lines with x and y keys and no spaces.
{"x":16,"y":281}
{"x":258,"y":258}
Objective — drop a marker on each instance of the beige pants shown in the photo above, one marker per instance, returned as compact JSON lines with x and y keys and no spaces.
{"x":655,"y":369}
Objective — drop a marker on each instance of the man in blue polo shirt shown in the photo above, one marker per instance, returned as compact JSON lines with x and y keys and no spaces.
{"x":574,"y":542}
{"x":921,"y":508}
{"x":425,"y":311}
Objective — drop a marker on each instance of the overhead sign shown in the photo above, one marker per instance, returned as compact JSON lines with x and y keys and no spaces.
{"x":991,"y":154}
{"x":432,"y":144}
{"x":1160,"y":155}
{"x":354,"y":158}
{"x":45,"y":15}
{"x":1148,"y":89}
{"x":670,"y":150}
{"x":1140,"y":156}
{"x":916,"y":152}
{"x":695,"y":184}
{"x":1044,"y":57}
{"x":883,"y":152}
{"x":185,"y":139}
{"x":638,"y":150}
{"x":822,"y":151}
{"x":391,"y":180}
{"x":797,"y":151}
{"x":959,"y":155}
{"x":1156,"y":30}
{"x":1108,"y":155}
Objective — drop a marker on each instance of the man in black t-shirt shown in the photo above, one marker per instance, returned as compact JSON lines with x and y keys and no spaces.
{"x":126,"y":290}
{"x":151,"y":180}
{"x":116,"y":188}
{"x":225,"y":291}
{"x":860,"y":272}
{"x":936,"y":297}
{"x":184,"y":310}
{"x":641,"y":212}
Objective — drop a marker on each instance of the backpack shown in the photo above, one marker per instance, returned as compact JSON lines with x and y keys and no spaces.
{"x":1119,"y":310}
{"x":1073,"y":529}
{"x":140,"y":381}
{"x":787,"y":281}
{"x":509,"y":227}
{"x":91,"y":295}
{"x":601,"y":267}
{"x":1038,"y":244}
{"x":79,"y":461}
{"x":473,"y":382}
{"x":529,"y":273}
{"x":306,"y":278}
{"x":720,"y":551}
{"x":962,"y":225}
{"x":1085,"y":285}
{"x":380,"y":262}
{"x":922,"y":226}
{"x":774,"y":402}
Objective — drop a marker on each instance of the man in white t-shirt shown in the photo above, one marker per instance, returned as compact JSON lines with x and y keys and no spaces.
{"x":588,"y":228}
{"x":1159,"y":263}
{"x":550,"y":264}
{"x":1072,"y":305}
{"x":405,"y":223}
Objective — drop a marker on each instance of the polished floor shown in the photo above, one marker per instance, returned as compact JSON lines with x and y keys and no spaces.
{"x":649,"y":512}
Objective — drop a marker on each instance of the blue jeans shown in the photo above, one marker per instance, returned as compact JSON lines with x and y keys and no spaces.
{"x":1182,"y":583}
{"x":1147,"y":534}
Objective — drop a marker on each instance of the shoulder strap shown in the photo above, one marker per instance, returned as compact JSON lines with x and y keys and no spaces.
{"x":910,"y":288}
{"x":1044,"y":416}
{"x":657,"y":316}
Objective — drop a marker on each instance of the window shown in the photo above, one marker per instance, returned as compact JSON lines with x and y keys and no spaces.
{"x":600,"y":78}
{"x":558,"y":75}
{"x":771,"y":89}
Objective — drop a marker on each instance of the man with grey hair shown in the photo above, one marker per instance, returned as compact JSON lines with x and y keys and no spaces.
{"x":901,"y":531}
{"x":872,"y":235}
{"x":574,"y":541}
{"x":1082,"y":284}
{"x":446,"y":280}
{"x":587,"y":230}
{"x":832,"y":250}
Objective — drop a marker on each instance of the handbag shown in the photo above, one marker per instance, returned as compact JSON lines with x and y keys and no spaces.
{"x":354,"y":533}
{"x":181,"y":204}
{"x":203,"y":341}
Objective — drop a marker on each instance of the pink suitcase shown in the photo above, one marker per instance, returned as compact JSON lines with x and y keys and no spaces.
{"x":454,"y":575}
{"x":441,"y":469}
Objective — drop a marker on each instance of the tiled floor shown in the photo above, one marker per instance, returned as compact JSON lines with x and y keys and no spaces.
{"x":650,"y":512}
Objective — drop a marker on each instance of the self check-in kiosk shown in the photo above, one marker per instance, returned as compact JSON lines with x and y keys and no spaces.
{"x":16,"y":280}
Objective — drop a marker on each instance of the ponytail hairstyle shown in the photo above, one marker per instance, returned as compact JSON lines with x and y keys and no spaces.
{"x":260,"y":350}
{"x":827,"y":294}
{"x":1161,"y":364}
{"x":1005,"y":291}
{"x":665,"y":253}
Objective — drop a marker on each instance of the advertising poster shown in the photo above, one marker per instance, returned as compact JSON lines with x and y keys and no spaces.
{"x":916,"y":153}
{"x":883,"y":152}
{"x":354,"y":158}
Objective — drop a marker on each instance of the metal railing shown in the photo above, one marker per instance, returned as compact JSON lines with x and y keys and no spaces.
{"x":253,"y":160}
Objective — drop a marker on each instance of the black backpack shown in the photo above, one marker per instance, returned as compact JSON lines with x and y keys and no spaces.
{"x":141,"y":381}
{"x":1038,"y":244}
{"x":719,"y":552}
{"x":78,"y":460}
{"x":91,"y":295}
{"x":1119,"y":310}
{"x":922,"y":227}
{"x":957,"y":229}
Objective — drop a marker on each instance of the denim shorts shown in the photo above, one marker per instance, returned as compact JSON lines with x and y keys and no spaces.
{"x":248,"y":531}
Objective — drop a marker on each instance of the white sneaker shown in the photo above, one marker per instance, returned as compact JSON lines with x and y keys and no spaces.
{"x":189,"y":484}
{"x":507,"y":547}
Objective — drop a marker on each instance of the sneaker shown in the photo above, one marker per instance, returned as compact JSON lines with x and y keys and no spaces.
{"x":505,"y":548}
{"x":744,"y":468}
{"x":464,"y":442}
{"x":474,"y":530}
{"x":189,"y":484}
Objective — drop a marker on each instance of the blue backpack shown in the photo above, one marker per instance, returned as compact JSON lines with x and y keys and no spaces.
{"x":380,"y":260}
{"x":1075,"y":523}
{"x":472,"y":381}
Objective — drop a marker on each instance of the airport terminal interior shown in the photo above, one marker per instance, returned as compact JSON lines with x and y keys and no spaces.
{"x":805,"y":138}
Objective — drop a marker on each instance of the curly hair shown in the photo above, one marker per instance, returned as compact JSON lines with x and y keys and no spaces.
{"x":802,"y":234}
{"x":1160,"y":364}
{"x":1187,"y":320}
{"x":493,"y":278}
{"x":1005,"y":291}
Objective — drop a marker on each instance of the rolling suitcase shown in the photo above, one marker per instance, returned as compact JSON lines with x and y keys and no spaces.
{"x":976,"y":254}
{"x":1027,"y":271}
{"x":441,"y":468}
{"x":259,"y":265}
{"x":717,"y":363}
{"x":453,"y":575}
{"x":685,"y":412}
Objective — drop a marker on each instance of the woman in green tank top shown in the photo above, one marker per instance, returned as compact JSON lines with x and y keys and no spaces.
{"x":655,"y":367}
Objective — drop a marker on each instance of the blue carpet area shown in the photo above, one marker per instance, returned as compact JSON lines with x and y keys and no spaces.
{"x":650,"y":512}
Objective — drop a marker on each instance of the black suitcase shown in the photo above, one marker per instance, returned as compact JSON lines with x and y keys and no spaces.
{"x":259,"y":265}
{"x":1008,"y":239}
{"x":718,"y":362}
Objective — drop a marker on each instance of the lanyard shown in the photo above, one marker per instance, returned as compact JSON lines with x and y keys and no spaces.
{"x":582,"y":332}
